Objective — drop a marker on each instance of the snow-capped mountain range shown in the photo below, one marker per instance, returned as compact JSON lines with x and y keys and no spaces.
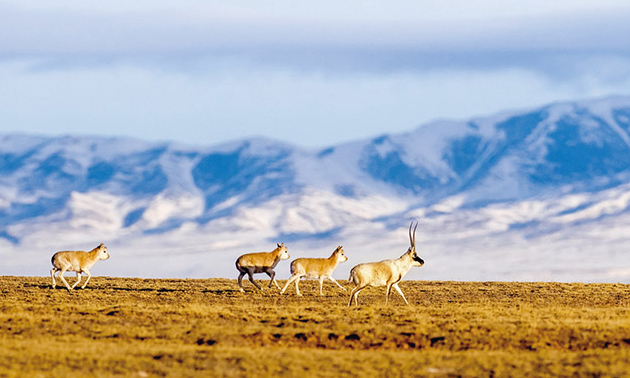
{"x":541,"y":194}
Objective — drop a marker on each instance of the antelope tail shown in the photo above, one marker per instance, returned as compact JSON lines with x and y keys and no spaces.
{"x":351,"y":278}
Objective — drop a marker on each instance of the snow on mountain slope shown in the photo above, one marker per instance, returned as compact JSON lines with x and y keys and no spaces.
{"x":539,"y":194}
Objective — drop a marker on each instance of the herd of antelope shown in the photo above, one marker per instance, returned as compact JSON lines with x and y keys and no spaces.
{"x":386,"y":273}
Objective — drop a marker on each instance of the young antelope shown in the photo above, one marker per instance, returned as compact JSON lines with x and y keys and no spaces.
{"x":315,"y":268}
{"x":260,"y":262}
{"x":76,"y":261}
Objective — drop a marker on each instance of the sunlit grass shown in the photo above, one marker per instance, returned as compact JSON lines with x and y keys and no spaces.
{"x":140,"y":327}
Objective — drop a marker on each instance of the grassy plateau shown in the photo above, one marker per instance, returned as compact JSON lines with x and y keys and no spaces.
{"x":206,"y":327}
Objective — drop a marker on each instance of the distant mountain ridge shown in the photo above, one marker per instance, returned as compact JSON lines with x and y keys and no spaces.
{"x":136,"y":189}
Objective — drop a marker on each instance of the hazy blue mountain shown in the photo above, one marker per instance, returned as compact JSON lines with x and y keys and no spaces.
{"x":526,"y":173}
{"x":560,"y":148}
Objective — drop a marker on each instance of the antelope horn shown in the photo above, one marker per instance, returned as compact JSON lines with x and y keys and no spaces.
{"x":414,"y":234}
{"x":412,"y":239}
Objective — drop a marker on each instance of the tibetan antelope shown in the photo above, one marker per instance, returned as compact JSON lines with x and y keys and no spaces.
{"x":260,"y":262}
{"x":385,"y":273}
{"x":315,"y":268}
{"x":76,"y":261}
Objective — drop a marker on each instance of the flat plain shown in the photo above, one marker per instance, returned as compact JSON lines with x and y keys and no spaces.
{"x":135,"y":327}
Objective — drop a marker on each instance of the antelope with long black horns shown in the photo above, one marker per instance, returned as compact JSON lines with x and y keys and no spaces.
{"x":386,"y":273}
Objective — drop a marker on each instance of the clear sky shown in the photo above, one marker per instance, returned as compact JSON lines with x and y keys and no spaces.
{"x":313,"y":73}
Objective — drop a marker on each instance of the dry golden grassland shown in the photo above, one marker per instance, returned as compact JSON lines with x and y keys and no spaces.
{"x":185,"y":328}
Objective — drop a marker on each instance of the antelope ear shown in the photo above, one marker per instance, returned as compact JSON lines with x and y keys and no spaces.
{"x":278,"y":244}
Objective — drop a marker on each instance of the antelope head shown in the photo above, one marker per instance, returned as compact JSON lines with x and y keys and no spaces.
{"x":102,"y":252}
{"x":283,"y":252}
{"x":340,"y":254}
{"x":417,"y":261}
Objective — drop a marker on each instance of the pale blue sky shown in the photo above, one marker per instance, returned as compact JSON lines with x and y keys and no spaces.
{"x":310,"y":73}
